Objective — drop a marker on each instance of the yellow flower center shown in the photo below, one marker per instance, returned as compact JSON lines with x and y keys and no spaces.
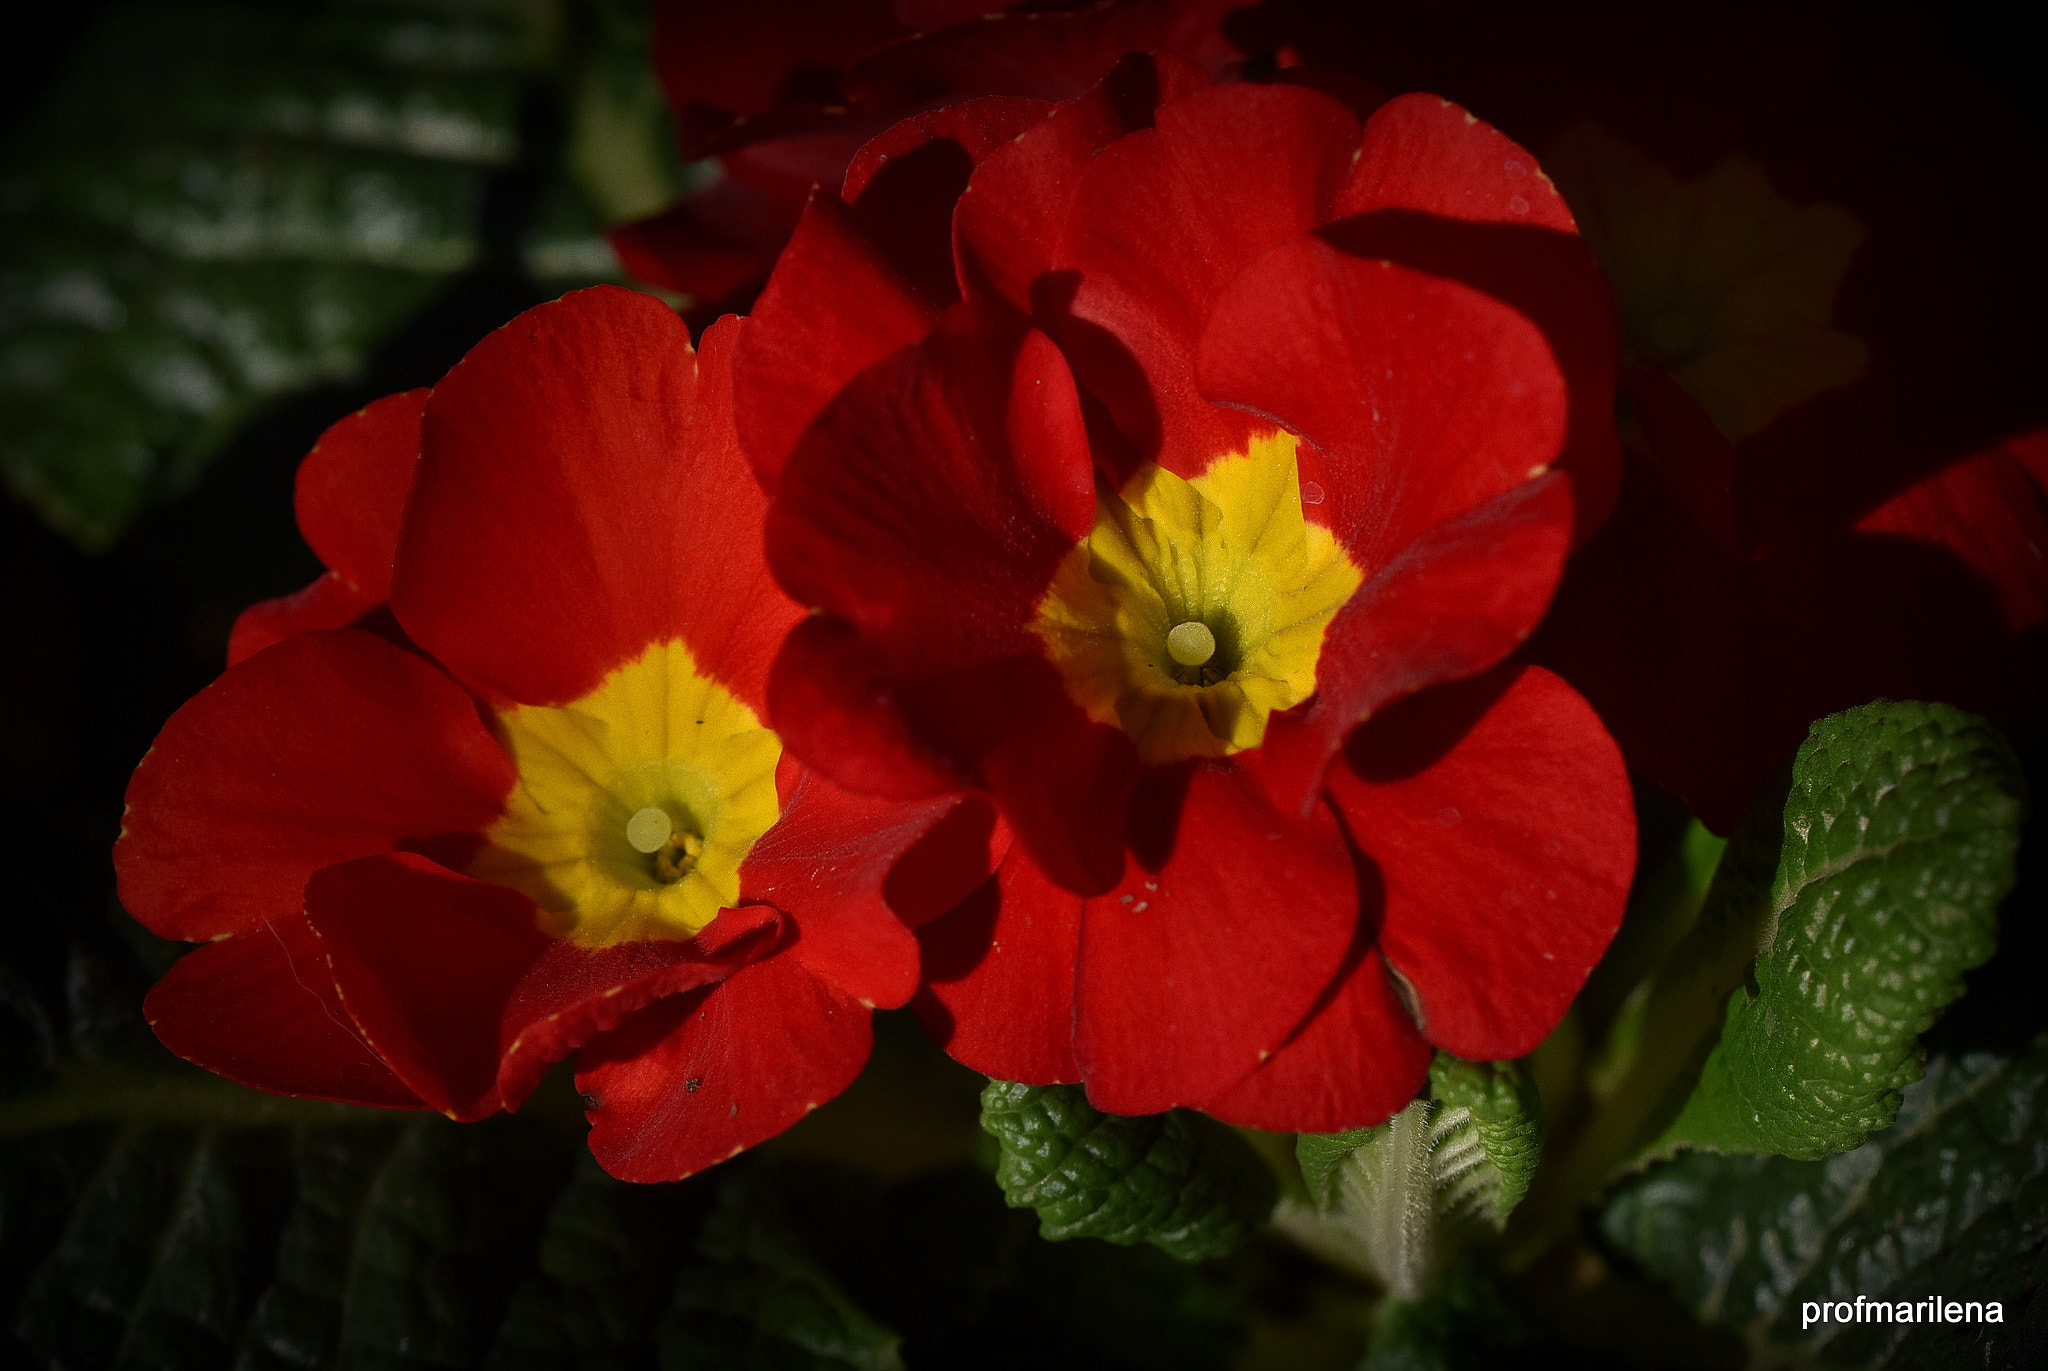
{"x":636,"y":804}
{"x":1195,"y":609}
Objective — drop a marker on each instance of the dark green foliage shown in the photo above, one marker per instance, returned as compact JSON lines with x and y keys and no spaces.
{"x":1897,"y":844}
{"x":1180,"y":1181}
{"x":221,"y":202}
{"x":158,"y":1217}
{"x":1466,"y":1323}
{"x":1951,"y":1200}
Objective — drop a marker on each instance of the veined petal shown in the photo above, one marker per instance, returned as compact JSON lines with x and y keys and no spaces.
{"x":1500,"y":816}
{"x":1230,"y":924}
{"x":1162,"y":221}
{"x":326,"y":602}
{"x":1448,"y":397}
{"x":825,"y":863}
{"x":998,"y":989}
{"x":1357,"y":1060}
{"x":426,"y":962}
{"x":581,"y":496}
{"x":260,"y":1008}
{"x":1454,"y":602}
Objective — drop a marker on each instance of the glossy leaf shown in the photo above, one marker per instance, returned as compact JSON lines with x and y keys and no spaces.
{"x":1951,"y":1201}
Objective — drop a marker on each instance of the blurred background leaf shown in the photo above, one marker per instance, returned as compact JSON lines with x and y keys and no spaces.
{"x":221,"y":202}
{"x":1950,"y":1201}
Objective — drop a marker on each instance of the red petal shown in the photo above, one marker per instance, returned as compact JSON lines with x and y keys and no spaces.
{"x":903,"y":184}
{"x":953,"y":859}
{"x":742,"y":59}
{"x":1987,"y":510}
{"x":261,"y":1009}
{"x":967,"y":534}
{"x":572,"y":994}
{"x":1499,"y":814}
{"x":834,"y":307}
{"x":1009,"y":219}
{"x":426,"y":962}
{"x":1355,"y":1062}
{"x":998,"y":989}
{"x":697,"y":1078}
{"x":1425,"y":397}
{"x":833,"y":699}
{"x":581,"y":496}
{"x":325,"y":747}
{"x":694,"y":249}
{"x":1049,"y":55}
{"x":1454,"y":602}
{"x":931,"y":570}
{"x":1231,"y":923}
{"x":1162,"y":221}
{"x":325,"y":603}
{"x":1422,"y":152}
{"x":824,"y":863}
{"x":1423,"y":162}
{"x":350,"y":491}
{"x":1063,"y":781}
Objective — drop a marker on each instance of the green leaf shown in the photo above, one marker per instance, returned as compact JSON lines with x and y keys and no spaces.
{"x":1467,"y":1321}
{"x":1898,"y":842}
{"x":221,"y":202}
{"x":1398,"y":1200}
{"x":766,"y":1301}
{"x":1180,"y":1181}
{"x":1950,"y":1201}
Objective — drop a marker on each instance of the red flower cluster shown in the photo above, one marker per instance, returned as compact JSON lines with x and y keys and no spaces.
{"x":1224,"y":427}
{"x":1168,"y":475}
{"x":497,"y":787}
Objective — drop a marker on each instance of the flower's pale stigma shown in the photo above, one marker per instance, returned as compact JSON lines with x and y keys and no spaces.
{"x":649,"y":829}
{"x":636,"y":804}
{"x":1194,"y":609}
{"x":1191,"y":643}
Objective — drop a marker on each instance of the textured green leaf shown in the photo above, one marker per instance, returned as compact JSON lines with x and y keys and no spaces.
{"x":1898,"y":841}
{"x":1180,"y":1181}
{"x":1396,"y":1201}
{"x":221,"y":202}
{"x":1951,"y":1200}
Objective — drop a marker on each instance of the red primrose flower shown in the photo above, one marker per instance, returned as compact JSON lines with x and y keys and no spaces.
{"x":1225,"y":427}
{"x":531,"y":806}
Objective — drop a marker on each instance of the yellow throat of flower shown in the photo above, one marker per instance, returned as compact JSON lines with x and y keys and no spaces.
{"x":635,"y":804}
{"x":1195,"y":609}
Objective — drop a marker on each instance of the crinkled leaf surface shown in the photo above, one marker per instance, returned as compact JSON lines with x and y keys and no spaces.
{"x":1898,"y":842}
{"x":222,"y":202}
{"x":1951,"y":1200}
{"x":1396,"y":1201}
{"x":1180,"y":1181}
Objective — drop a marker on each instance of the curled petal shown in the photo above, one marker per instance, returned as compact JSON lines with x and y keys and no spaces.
{"x":328,"y":746}
{"x":694,"y":1079}
{"x":261,"y":1009}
